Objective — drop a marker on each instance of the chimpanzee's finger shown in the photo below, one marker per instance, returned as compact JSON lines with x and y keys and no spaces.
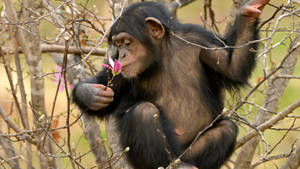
{"x":101,"y":99}
{"x":108,"y":92}
{"x":100,"y":86}
{"x":97,"y":106}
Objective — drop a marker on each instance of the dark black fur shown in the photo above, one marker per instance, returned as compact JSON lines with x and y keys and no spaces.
{"x":147,"y":149}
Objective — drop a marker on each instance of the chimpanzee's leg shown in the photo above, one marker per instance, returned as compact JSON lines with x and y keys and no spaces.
{"x":214,"y":146}
{"x":149,"y":135}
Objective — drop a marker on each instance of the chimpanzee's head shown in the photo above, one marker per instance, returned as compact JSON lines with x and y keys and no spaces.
{"x":136,"y":35}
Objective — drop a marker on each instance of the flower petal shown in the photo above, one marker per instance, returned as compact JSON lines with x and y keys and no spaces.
{"x":119,"y":67}
{"x":61,"y":87}
{"x":107,"y":66}
{"x":71,"y":85}
{"x":111,"y":62}
{"x":58,"y":68}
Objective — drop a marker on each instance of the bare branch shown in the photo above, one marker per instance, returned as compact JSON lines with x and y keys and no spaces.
{"x":12,"y":125}
{"x":46,"y":48}
{"x":268,"y":124}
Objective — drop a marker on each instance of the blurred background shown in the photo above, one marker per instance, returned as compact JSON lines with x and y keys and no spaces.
{"x":53,"y":22}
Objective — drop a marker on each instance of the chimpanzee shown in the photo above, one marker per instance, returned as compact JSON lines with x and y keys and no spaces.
{"x":170,"y":89}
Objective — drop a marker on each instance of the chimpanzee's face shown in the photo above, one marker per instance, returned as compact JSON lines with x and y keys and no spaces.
{"x":132,"y":54}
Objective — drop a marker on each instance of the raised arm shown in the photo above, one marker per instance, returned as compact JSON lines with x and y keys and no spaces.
{"x":237,"y":62}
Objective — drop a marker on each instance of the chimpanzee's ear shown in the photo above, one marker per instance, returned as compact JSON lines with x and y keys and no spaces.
{"x":156,"y":29}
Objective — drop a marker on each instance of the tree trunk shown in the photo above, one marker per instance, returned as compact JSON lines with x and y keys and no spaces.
{"x":293,"y":162}
{"x":92,"y":133}
{"x":30,"y":46}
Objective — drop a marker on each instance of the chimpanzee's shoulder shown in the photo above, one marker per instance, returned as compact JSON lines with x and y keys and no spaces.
{"x":199,"y":35}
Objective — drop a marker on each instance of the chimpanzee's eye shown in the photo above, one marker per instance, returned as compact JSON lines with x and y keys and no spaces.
{"x":127,"y":42}
{"x":117,"y":44}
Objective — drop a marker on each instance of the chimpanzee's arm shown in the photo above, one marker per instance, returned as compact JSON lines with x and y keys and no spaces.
{"x":237,"y":62}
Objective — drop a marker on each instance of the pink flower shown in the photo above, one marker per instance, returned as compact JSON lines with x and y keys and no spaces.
{"x":58,"y":76}
{"x":71,"y":85}
{"x":115,"y":66}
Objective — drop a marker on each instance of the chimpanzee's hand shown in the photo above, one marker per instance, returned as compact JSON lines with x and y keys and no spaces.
{"x":94,"y":96}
